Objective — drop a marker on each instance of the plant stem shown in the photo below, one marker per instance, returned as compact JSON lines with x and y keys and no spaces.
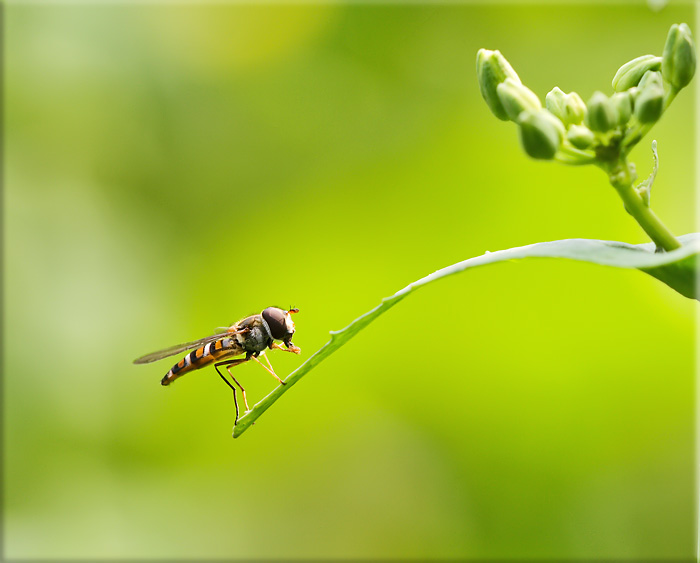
{"x":621,"y":179}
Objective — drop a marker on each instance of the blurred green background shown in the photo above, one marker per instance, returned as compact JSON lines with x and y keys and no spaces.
{"x":173,"y":168}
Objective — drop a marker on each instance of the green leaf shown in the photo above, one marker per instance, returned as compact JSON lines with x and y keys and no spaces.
{"x":681,"y":272}
{"x":676,"y":269}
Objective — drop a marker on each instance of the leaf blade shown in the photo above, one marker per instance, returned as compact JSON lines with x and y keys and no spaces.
{"x":677,"y":269}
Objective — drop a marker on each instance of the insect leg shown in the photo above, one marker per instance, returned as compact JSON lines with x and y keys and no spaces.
{"x":228,"y":369}
{"x":269,"y":369}
{"x":293,"y":349}
{"x":232,"y":363}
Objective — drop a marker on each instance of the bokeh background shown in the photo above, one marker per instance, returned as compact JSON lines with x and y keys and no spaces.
{"x":171,"y":168}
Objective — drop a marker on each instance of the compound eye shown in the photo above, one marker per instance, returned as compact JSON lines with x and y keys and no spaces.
{"x":276,"y":319}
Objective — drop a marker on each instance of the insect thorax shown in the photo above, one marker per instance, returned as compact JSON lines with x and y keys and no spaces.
{"x":258,"y":336}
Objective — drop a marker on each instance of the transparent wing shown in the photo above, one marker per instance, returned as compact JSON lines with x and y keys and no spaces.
{"x":179,"y":348}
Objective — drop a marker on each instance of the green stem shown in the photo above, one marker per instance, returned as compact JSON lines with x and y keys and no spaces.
{"x":568,"y":154}
{"x":573,"y":161}
{"x":622,"y":179}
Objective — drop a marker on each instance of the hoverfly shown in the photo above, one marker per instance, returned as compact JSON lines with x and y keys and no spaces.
{"x":250,"y":336}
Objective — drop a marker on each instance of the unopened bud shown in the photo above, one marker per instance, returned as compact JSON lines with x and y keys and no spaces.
{"x":517,"y":98}
{"x":630,"y":73}
{"x":649,"y":103}
{"x":575,"y":108}
{"x":602,"y":113}
{"x":492,"y":69}
{"x":623,"y":103}
{"x":650,"y":78}
{"x":567,"y":107}
{"x":580,"y":136}
{"x":678,"y":66}
{"x":541,"y":133}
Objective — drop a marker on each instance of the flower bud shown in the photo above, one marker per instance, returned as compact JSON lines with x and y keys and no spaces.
{"x":575,"y":108}
{"x":555,"y":102}
{"x":630,"y":73}
{"x":580,"y":136}
{"x":602,"y":113}
{"x":567,"y":107}
{"x":516,"y":98}
{"x":623,"y":103}
{"x":649,"y":103}
{"x":650,"y":77}
{"x":540,"y":133}
{"x":678,"y":65}
{"x":492,"y":69}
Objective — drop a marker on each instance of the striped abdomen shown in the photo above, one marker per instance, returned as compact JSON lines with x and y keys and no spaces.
{"x":203,"y":356}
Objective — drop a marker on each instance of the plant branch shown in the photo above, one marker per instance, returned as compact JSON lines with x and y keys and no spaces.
{"x":647,"y":219}
{"x":622,"y":178}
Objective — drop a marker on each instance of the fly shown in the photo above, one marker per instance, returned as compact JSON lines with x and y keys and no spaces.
{"x":250,"y":336}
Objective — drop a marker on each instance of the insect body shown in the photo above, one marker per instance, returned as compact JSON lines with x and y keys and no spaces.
{"x":250,"y":336}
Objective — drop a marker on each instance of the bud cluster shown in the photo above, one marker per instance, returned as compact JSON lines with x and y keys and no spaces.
{"x":578,"y":132}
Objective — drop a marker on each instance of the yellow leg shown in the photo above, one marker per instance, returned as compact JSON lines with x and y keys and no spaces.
{"x":245,"y":401}
{"x":293,"y":349}
{"x":229,"y":364}
{"x":269,"y":369}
